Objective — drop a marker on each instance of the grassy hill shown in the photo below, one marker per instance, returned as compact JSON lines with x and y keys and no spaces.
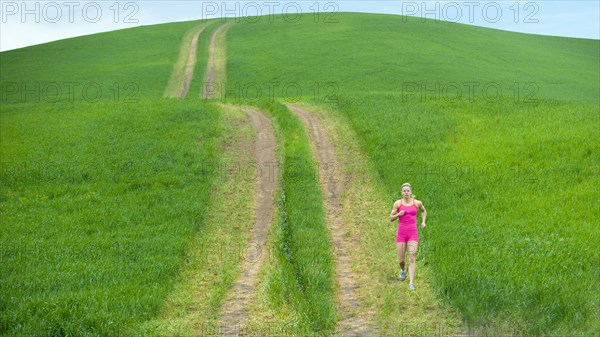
{"x":102,"y":190}
{"x":511,"y":180}
{"x":375,"y":53}
{"x":141,"y":56}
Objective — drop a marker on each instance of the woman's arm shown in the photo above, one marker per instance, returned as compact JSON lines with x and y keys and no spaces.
{"x":423,"y":213}
{"x":395,"y":214}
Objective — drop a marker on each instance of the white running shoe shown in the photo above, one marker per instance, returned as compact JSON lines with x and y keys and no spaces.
{"x":411,"y":286}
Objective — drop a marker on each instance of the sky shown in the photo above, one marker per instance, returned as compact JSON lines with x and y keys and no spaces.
{"x":25,"y":23}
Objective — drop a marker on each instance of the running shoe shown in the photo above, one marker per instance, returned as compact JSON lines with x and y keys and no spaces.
{"x":411,"y":286}
{"x":402,"y":275}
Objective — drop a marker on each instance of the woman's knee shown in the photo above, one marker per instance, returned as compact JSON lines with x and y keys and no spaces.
{"x":412,"y":257}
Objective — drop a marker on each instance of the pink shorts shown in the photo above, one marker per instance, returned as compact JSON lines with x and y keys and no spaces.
{"x":403,"y":235}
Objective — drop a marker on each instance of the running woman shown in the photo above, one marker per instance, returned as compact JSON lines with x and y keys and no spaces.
{"x":405,"y":210}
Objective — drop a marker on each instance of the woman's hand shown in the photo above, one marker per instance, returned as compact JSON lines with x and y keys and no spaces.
{"x":423,"y":224}
{"x":401,"y":213}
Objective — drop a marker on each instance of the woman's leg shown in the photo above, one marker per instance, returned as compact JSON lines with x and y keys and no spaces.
{"x":401,"y":253}
{"x":412,"y":253}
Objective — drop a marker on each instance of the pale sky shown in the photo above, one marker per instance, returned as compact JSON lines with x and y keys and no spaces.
{"x":25,"y":23}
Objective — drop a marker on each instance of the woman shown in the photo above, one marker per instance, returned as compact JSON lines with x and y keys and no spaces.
{"x":405,"y":210}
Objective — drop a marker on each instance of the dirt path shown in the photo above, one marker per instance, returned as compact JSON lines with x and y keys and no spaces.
{"x":234,"y":309}
{"x":213,"y":59}
{"x":183,"y":69}
{"x":189,"y":67}
{"x":332,"y":184}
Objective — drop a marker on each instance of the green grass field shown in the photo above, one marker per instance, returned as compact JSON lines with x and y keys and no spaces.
{"x":122,"y":66}
{"x":374,"y":53}
{"x":509,"y":190}
{"x":102,"y":191}
{"x":510,"y":178}
{"x":102,"y":195}
{"x":98,"y":204}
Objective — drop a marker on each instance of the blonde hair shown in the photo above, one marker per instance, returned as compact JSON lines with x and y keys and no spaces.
{"x":407,"y":185}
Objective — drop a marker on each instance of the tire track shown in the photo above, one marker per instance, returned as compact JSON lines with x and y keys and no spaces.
{"x":209,"y":77}
{"x":189,"y":67}
{"x":234,"y":310}
{"x":332,"y":185}
{"x":188,"y":71}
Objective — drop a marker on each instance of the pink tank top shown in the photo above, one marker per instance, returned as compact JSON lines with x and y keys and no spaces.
{"x":409,"y":219}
